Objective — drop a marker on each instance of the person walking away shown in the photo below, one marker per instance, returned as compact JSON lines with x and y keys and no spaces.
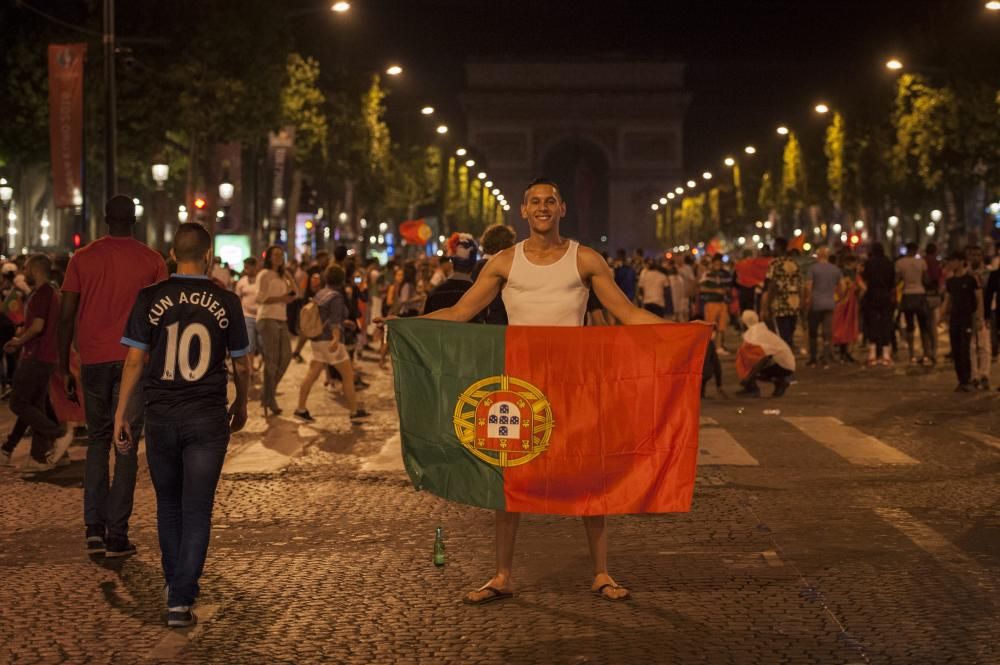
{"x":820,"y":301}
{"x":102,"y":282}
{"x":991,"y":306}
{"x":877,"y":305}
{"x":246,"y":290}
{"x":625,"y":277}
{"x":545,"y":280}
{"x":463,"y":254}
{"x":653,"y":284}
{"x":275,"y":289}
{"x":935,"y":293}
{"x":981,"y":353}
{"x":327,"y":348}
{"x":713,"y":288}
{"x":763,"y":356}
{"x":313,"y":282}
{"x":911,"y":275}
{"x":30,"y":387}
{"x":963,"y":309}
{"x":183,"y":328}
{"x":782,"y":292}
{"x":409,"y":301}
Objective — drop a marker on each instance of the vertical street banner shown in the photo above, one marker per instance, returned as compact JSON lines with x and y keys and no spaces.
{"x":66,"y":120}
{"x":596,"y":420}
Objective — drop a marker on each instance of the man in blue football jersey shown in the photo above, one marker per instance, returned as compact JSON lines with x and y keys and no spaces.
{"x":184,"y":326}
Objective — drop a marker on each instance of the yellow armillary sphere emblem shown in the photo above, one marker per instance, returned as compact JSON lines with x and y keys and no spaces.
{"x":503,"y":420}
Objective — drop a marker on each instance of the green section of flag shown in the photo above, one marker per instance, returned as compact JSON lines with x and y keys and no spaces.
{"x":434,"y":362}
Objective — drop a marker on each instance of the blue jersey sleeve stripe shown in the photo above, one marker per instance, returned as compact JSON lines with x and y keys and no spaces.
{"x":239,"y":353}
{"x":135,"y":344}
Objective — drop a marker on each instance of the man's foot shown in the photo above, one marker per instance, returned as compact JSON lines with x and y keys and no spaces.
{"x":60,"y":446}
{"x":181,"y":617}
{"x":811,"y":363}
{"x":984,"y":384}
{"x":297,"y":357}
{"x":119,"y":547}
{"x":5,"y":458}
{"x":360,"y":413}
{"x":780,"y":386}
{"x":608,"y":589}
{"x":748,"y":392}
{"x":974,"y":383}
{"x":95,"y":540}
{"x":965,"y":388}
{"x":32,"y":466}
{"x":303,"y":414}
{"x":497,"y":588}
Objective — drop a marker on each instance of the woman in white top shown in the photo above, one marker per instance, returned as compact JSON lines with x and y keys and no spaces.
{"x":275,"y":289}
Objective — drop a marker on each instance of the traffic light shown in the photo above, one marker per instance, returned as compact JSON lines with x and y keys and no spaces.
{"x":77,"y":241}
{"x":200,"y":202}
{"x":855,"y":239}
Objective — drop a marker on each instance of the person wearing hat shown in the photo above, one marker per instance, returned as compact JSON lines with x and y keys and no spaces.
{"x":100,"y":288}
{"x":463,"y":252}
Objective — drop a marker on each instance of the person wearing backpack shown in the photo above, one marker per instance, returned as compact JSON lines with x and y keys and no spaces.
{"x":321,"y":320}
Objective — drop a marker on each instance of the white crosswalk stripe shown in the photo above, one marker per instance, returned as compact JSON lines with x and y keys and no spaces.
{"x":851,"y":444}
{"x":717,"y":446}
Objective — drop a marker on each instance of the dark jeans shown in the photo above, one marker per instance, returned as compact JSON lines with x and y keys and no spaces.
{"x":960,"y":334}
{"x":818,"y":318}
{"x":185,"y":461}
{"x":765,"y":370}
{"x":105,"y":505}
{"x":21,"y":426}
{"x":786,"y":328}
{"x":30,"y":392}
{"x":915,"y":312}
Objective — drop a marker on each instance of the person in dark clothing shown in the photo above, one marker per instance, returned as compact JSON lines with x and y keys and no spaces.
{"x":625,"y":276}
{"x":963,"y":307}
{"x":879,"y":277}
{"x":464,"y":252}
{"x":496,"y":238}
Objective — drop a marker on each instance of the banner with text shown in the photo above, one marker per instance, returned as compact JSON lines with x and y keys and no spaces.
{"x":66,"y":122}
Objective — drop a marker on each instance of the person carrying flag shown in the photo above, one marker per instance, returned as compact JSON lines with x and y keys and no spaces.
{"x":545,"y":281}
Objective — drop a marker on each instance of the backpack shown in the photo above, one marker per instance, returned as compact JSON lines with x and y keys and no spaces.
{"x":310,"y":321}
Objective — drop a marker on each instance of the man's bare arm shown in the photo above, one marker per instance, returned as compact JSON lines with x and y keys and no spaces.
{"x":483,"y":291}
{"x":592,"y":266}
{"x":69,"y":303}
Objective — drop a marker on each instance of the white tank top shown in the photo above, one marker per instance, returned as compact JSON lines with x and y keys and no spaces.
{"x":552,"y":295}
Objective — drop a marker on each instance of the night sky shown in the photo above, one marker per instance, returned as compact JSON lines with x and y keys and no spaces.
{"x":751,"y":63}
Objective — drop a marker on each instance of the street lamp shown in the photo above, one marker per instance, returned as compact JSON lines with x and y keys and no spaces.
{"x":182,"y":214}
{"x":340,"y":7}
{"x":427,"y":110}
{"x":394,"y":70}
{"x":489,"y":184}
{"x":691,"y":184}
{"x":821,"y":108}
{"x":671,"y":196}
{"x":729,"y":161}
{"x":470,"y":163}
{"x":139,"y":210}
{"x":481,"y":175}
{"x":160,"y":174}
{"x":782,"y":130}
{"x":894,"y":64}
{"x":6,"y":195}
{"x":750,"y":150}
{"x":993,"y":6}
{"x":461,"y":152}
{"x":663,"y":200}
{"x":707,"y":175}
{"x":442,"y":129}
{"x":679,"y":190}
{"x":226,"y":191}
{"x":654,"y":207}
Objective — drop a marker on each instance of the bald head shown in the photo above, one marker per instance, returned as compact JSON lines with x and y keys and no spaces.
{"x":823,"y":254}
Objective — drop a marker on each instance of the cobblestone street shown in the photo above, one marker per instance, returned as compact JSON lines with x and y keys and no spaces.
{"x":859,"y":525}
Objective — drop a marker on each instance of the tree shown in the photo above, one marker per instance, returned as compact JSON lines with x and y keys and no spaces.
{"x":793,"y":175}
{"x":767,"y":199}
{"x":833,"y":148}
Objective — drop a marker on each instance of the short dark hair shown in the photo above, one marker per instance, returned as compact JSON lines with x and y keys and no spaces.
{"x":120,"y":208}
{"x":250,"y":261}
{"x":541,"y":181}
{"x":497,"y":238}
{"x":339,"y":253}
{"x":957,"y":255}
{"x":41,"y":260}
{"x":781,"y":245}
{"x":191,"y":241}
{"x":334,"y":276}
{"x":911,"y":248}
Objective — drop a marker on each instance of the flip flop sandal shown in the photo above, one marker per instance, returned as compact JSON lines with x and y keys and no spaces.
{"x":600,"y":592}
{"x":495,"y":594}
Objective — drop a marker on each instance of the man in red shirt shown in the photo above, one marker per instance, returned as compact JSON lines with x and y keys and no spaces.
{"x":37,"y":343}
{"x":101,"y":285}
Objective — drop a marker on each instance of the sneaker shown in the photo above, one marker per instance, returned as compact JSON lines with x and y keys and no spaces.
{"x":360,"y":413}
{"x":780,"y":387}
{"x":181,"y":617}
{"x":984,"y":384}
{"x":34,"y":466}
{"x":964,"y":388}
{"x":60,"y":446}
{"x":119,"y":547}
{"x":722,"y":351}
{"x":56,"y":463}
{"x":95,"y":540}
{"x":303,"y":414}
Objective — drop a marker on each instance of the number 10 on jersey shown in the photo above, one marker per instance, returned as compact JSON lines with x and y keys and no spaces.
{"x":179,"y":352}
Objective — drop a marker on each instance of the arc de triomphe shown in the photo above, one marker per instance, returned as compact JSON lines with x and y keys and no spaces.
{"x":610,"y":133}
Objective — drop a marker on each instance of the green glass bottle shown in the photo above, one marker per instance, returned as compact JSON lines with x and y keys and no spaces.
{"x":439,"y":547}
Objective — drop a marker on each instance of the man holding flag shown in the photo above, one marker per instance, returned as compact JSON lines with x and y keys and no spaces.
{"x":544,"y":282}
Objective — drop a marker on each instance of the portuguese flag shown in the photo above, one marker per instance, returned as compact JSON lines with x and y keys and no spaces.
{"x":570,"y":421}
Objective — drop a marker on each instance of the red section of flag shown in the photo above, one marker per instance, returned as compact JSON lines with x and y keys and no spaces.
{"x":747,"y":357}
{"x":752,"y":272}
{"x":625,"y":403}
{"x":415,"y":231}
{"x":66,"y":121}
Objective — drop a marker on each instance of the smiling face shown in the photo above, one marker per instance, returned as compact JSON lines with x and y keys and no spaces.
{"x":542,"y":208}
